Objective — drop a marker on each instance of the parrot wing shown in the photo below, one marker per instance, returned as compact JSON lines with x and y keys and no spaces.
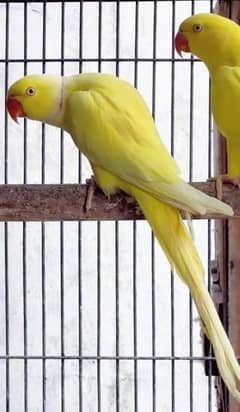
{"x":225,"y":99}
{"x":226,"y":112}
{"x":130,"y":149}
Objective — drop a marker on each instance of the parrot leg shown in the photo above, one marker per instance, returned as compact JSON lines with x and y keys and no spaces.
{"x":235,"y":181}
{"x":91,"y":187}
{"x":114,"y":200}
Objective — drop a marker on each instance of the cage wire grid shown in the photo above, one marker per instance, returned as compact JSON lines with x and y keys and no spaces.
{"x":92,"y":318}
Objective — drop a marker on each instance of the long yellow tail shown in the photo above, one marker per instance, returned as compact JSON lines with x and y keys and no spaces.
{"x":176,"y":242}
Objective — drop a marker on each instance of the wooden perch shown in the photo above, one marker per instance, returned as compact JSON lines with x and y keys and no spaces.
{"x":66,"y":202}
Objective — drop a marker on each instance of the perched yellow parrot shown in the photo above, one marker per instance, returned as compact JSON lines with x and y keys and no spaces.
{"x":111,"y":124}
{"x":216,"y":41}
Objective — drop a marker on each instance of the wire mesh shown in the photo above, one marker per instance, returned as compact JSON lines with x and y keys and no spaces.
{"x":91,"y":316}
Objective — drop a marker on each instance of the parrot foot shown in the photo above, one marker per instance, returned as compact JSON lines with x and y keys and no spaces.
{"x":114,"y":200}
{"x":235,"y":181}
{"x":91,"y":187}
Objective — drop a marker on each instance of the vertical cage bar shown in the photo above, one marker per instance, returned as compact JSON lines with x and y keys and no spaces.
{"x":117,"y":313}
{"x":152,"y":236}
{"x":172,"y":152}
{"x":209,"y":263}
{"x":43,"y":229}
{"x":62,"y":282}
{"x":135,"y":350}
{"x":24,"y":227}
{"x":210,"y":404}
{"x":80,"y":365}
{"x":99,"y":240}
{"x":117,"y":231}
{"x":190,"y":180}
{"x":6,"y":224}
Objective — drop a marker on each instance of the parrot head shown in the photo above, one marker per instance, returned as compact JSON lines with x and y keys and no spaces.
{"x":208,"y":36}
{"x":37,"y":97}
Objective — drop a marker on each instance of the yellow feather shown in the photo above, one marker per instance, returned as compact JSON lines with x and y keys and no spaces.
{"x":226,"y":111}
{"x":114,"y":116}
{"x":177,"y":244}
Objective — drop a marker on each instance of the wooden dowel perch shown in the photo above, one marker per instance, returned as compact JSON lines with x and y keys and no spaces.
{"x":67,"y":202}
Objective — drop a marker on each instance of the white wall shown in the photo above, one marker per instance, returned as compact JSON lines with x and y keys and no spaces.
{"x":33,"y":242}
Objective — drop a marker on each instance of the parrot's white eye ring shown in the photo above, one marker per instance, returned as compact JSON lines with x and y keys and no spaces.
{"x":30,"y":91}
{"x":197,"y":28}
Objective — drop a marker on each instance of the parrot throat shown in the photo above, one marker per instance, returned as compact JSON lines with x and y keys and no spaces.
{"x":56,"y":117}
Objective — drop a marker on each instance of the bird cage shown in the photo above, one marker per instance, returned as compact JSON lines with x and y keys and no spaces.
{"x":92,"y":317}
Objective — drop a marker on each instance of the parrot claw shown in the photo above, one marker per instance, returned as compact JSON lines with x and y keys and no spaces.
{"x":235,"y":181}
{"x":219,"y":180}
{"x":113,"y":201}
{"x":91,"y":187}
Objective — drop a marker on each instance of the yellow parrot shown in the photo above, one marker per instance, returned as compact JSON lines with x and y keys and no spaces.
{"x":216,"y":41}
{"x":111,"y":124}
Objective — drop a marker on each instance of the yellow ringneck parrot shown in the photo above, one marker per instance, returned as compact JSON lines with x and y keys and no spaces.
{"x":216,"y":41}
{"x":111,"y":124}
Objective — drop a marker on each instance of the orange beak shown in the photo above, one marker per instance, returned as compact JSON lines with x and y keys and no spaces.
{"x":181,"y":44}
{"x":15,"y":108}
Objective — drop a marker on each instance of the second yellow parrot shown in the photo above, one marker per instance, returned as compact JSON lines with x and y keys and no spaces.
{"x":216,"y":41}
{"x":111,"y":124}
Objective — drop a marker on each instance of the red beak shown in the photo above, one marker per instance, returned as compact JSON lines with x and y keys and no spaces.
{"x":181,"y":44}
{"x":15,"y":108}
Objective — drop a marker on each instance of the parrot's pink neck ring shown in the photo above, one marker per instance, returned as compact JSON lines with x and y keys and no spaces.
{"x":57,"y":113}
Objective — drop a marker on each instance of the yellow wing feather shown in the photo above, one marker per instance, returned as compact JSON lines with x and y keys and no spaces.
{"x":226,"y":110}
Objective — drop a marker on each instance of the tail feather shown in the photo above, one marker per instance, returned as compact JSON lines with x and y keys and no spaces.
{"x":176,"y":242}
{"x":183,"y":196}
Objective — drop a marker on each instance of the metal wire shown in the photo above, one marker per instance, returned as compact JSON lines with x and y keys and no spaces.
{"x":80,"y":366}
{"x":99,"y":308}
{"x":96,"y":59}
{"x":43,"y":255}
{"x":132,"y":358}
{"x":99,"y":359}
{"x":191,"y":111}
{"x":62,"y":280}
{"x":117,"y":239}
{"x":153,"y":240}
{"x":172,"y":274}
{"x":25,"y":323}
{"x":210,"y":403}
{"x":6,"y":280}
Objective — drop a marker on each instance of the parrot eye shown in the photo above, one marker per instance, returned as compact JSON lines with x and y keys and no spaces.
{"x":30,"y":91}
{"x":197,"y":28}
